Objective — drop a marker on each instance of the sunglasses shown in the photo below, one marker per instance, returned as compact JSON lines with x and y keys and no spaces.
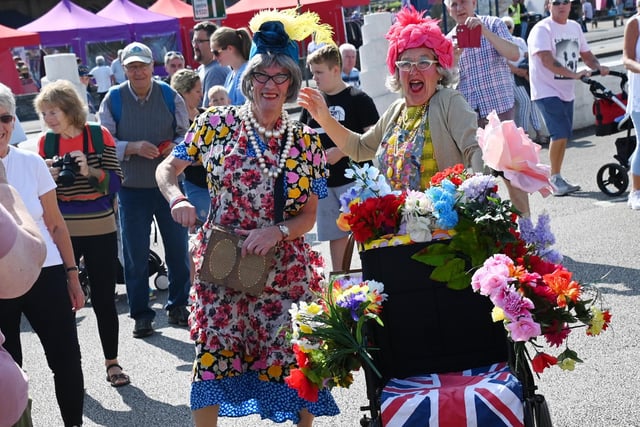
{"x":422,"y":65}
{"x":6,"y":118}
{"x":173,"y":54}
{"x":563,"y":2}
{"x":263,"y":78}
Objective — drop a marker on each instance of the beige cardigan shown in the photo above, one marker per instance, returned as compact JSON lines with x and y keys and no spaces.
{"x":453,"y":126}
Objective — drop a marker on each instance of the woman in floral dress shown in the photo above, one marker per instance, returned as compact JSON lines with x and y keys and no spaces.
{"x":242,"y":352}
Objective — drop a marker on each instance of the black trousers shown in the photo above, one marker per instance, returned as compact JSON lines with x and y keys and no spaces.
{"x":100,"y":258}
{"x":47,"y":307}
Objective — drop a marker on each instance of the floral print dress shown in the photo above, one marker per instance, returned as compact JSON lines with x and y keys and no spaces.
{"x":242,"y":352}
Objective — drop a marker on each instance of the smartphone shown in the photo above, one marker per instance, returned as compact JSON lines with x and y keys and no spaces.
{"x":468,"y":37}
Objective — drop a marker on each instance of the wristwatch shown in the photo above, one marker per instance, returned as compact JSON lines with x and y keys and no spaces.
{"x":284,"y":230}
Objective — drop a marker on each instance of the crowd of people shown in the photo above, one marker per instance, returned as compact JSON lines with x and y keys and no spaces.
{"x":216,"y":147}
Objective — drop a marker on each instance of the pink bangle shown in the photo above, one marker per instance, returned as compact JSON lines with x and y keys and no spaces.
{"x":175,"y":200}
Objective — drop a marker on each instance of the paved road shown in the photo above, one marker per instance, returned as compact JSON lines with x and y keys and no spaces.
{"x":597,"y":234}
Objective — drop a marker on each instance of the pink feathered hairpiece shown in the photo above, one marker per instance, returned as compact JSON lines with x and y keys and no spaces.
{"x":411,"y":30}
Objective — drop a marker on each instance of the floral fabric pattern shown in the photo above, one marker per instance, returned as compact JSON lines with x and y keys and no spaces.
{"x":236,"y":333}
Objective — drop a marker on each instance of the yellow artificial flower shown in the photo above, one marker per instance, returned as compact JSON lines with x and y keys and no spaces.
{"x":567,"y":364}
{"x":597,"y":322}
{"x":497,"y":314}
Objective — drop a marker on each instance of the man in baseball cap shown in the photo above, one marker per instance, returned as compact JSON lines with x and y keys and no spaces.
{"x":146,"y":127}
{"x":136,"y":52}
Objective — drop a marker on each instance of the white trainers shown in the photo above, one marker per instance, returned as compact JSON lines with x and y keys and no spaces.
{"x":562,"y":187}
{"x":634,"y":200}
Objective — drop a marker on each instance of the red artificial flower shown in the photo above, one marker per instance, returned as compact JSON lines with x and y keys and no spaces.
{"x":302,"y":360}
{"x":541,"y":266}
{"x":556,"y":333}
{"x":607,"y":319}
{"x":305,"y":388}
{"x":375,"y":217}
{"x":456,"y":174}
{"x":542,"y":361}
{"x":565,"y":288}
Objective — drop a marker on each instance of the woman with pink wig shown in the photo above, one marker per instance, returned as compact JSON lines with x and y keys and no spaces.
{"x":430,"y":128}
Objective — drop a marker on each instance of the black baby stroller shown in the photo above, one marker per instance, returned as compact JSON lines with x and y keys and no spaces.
{"x":429,"y":328}
{"x":609,"y":111}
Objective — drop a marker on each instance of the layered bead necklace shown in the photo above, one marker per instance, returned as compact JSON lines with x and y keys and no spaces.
{"x":254,"y":128}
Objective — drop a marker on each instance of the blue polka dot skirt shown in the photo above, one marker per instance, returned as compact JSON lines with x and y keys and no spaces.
{"x":246,"y":394}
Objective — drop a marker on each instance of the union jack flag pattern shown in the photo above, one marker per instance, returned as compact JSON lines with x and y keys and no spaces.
{"x":484,"y":397}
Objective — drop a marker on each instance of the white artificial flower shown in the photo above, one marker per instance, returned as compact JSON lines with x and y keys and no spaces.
{"x":419,"y":228}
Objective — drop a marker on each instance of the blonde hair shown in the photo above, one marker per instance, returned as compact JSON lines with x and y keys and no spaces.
{"x":63,"y":95}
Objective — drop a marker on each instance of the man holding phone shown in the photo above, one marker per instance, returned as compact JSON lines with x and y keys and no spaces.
{"x":556,"y":44}
{"x":483,"y":47}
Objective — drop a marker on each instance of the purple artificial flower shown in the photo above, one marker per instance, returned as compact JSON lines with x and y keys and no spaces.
{"x":352,"y":301}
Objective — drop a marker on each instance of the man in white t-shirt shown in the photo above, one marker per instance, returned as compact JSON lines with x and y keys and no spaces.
{"x":117,"y":69}
{"x":556,"y":44}
{"x":103,"y":76}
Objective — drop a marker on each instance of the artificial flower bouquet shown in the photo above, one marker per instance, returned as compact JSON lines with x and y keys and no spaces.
{"x":328,"y":338}
{"x":489,"y":247}
{"x":535,"y":295}
{"x":460,"y":207}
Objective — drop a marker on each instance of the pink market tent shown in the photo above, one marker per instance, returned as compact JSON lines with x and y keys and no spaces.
{"x":184,"y":13}
{"x":69,"y":28}
{"x":9,"y":39}
{"x":159,"y":32}
{"x":330,"y":12}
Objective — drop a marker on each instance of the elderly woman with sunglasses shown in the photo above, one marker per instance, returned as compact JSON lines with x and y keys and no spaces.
{"x":51,"y":303}
{"x":430,"y":128}
{"x":265,"y":173}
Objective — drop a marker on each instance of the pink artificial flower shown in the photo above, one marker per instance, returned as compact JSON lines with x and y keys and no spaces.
{"x":523,"y":329}
{"x":508,"y":149}
{"x":514,"y":305}
{"x":492,"y":285}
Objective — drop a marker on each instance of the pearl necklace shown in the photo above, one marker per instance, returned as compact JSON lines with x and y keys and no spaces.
{"x":251,"y":124}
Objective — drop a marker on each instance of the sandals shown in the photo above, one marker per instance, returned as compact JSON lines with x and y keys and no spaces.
{"x":117,"y":380}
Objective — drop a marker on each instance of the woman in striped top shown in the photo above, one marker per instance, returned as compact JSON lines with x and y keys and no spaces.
{"x":88,"y":181}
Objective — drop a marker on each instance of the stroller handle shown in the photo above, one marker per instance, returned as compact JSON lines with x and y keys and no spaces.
{"x":599,"y":91}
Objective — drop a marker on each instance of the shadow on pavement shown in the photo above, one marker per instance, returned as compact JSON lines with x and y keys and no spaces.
{"x":144,"y":411}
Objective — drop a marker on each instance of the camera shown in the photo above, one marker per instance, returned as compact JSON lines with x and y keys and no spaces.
{"x":68,"y":170}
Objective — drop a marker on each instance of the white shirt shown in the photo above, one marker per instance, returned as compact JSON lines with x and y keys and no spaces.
{"x":28,"y":174}
{"x":102,"y":75}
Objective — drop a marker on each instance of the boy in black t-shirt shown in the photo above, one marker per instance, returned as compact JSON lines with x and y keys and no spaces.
{"x":355,"y":110}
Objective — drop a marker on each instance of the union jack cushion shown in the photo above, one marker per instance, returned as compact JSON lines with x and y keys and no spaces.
{"x":484,"y":397}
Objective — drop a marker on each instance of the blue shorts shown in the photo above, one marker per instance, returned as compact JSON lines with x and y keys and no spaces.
{"x":558,"y":116}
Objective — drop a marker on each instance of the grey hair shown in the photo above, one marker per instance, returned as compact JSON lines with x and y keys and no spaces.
{"x":7,"y":100}
{"x":99,"y":60}
{"x":262,"y":61}
{"x":448,"y":78}
{"x":184,"y":80}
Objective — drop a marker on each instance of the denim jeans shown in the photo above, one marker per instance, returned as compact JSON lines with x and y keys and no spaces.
{"x":138,"y":206}
{"x":199,"y":198}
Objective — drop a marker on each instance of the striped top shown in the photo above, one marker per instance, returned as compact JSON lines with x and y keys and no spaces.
{"x":87,"y":204}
